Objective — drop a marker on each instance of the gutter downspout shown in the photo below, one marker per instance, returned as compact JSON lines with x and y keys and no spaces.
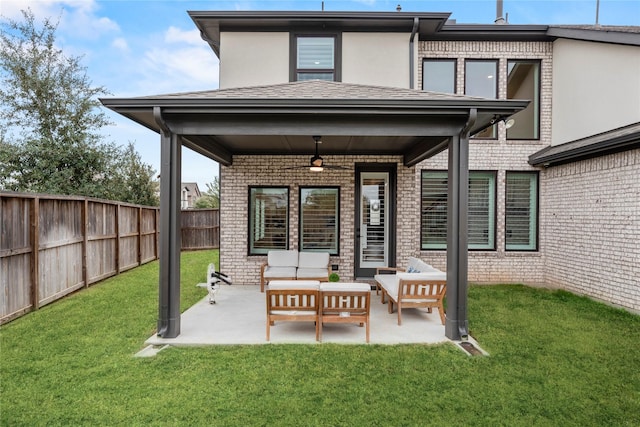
{"x":170,"y":237}
{"x":416,"y":22}
{"x":457,"y":323}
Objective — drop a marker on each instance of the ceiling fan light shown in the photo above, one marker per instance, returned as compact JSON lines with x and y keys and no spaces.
{"x":316,"y":161}
{"x":316,"y":168}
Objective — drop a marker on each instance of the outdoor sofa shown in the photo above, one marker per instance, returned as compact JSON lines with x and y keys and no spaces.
{"x":420,"y":286}
{"x":312,"y":301}
{"x":294,"y":265}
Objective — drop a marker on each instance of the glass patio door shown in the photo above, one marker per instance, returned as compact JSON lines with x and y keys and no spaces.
{"x":373,"y":222}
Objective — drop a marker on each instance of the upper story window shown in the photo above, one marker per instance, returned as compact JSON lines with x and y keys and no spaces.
{"x":481,"y":79}
{"x":315,"y":58}
{"x":523,"y":82}
{"x":439,"y":75}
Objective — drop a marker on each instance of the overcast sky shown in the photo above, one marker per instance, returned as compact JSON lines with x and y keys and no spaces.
{"x":149,"y":47}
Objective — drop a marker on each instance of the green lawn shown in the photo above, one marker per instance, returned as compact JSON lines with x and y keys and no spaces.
{"x":556,"y":360}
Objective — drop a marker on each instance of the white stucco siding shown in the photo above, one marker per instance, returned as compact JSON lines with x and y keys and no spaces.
{"x":380,"y":59}
{"x":253,"y":59}
{"x":596,"y":87}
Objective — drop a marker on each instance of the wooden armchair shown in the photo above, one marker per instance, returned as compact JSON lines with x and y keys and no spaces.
{"x":420,"y":293}
{"x":293,"y":304}
{"x":345,"y":303}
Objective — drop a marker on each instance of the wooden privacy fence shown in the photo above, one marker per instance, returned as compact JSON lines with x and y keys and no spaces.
{"x":200,"y":229}
{"x":51,"y":246}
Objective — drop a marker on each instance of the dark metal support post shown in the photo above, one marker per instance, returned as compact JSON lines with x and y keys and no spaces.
{"x":170,"y":237}
{"x":457,"y":323}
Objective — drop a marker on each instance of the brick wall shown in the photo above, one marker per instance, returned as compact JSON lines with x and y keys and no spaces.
{"x":500,"y":155}
{"x":259,"y":171}
{"x":592,"y":227}
{"x":589,"y":230}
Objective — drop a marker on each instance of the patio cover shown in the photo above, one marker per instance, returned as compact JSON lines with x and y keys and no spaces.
{"x":280,"y":119}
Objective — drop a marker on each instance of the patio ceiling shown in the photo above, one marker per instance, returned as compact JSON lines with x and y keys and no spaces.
{"x":280,"y":119}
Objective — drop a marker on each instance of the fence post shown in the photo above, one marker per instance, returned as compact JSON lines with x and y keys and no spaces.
{"x":139,"y":259}
{"x":156,"y":229}
{"x":117,"y":254}
{"x":85,"y":243}
{"x":35,"y":248}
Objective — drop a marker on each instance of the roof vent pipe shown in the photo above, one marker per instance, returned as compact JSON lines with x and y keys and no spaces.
{"x":398,"y":8}
{"x":499,"y":19}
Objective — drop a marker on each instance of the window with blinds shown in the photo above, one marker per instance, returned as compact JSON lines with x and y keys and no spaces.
{"x":315,"y":58}
{"x":521,"y":212}
{"x":268,"y":219}
{"x":482,"y":210}
{"x":319,"y":219}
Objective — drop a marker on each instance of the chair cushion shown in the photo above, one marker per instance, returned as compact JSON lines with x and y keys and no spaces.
{"x":416,"y":265}
{"x":389,"y":282}
{"x":313,"y":260}
{"x":353,"y":287}
{"x":283,"y":259}
{"x":433,"y":275}
{"x":305,"y":273}
{"x":294,"y":284}
{"x":280,"y":272}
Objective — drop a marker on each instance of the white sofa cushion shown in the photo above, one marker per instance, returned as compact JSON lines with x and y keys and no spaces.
{"x":270,"y":271}
{"x":390,"y":281}
{"x":313,"y":260}
{"x":416,"y":265}
{"x":306,"y":273}
{"x":294,"y":284}
{"x":336,"y":286}
{"x":283,"y":259}
{"x":433,"y":275}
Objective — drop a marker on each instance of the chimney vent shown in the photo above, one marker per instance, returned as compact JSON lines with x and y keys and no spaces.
{"x":398,"y":8}
{"x":499,"y":19}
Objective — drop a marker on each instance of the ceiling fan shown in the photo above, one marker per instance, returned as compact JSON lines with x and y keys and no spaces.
{"x":316,"y":163}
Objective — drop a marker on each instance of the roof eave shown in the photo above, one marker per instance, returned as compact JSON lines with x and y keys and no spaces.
{"x":600,"y":148}
{"x":210,"y":23}
{"x":490,"y":32}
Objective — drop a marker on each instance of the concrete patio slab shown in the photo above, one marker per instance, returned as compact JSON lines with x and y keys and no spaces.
{"x":239,"y":317}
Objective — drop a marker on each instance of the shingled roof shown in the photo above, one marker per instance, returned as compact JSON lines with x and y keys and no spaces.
{"x":316,"y":89}
{"x":620,"y":139}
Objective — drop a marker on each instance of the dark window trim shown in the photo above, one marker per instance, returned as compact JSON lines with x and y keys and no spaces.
{"x":495,"y":209}
{"x":328,"y":187}
{"x":497,"y":62}
{"x":249,"y":231}
{"x":537,"y":175}
{"x":455,"y":70}
{"x":392,"y":170}
{"x":494,"y":173}
{"x":293,"y":52}
{"x":539,"y":62}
